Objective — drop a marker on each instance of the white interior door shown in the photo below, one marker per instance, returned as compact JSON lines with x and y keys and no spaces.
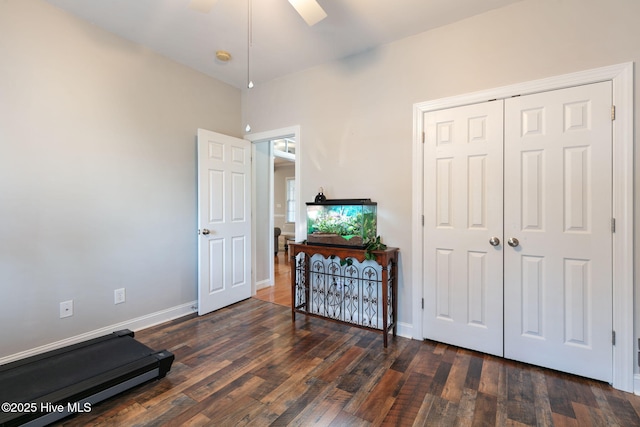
{"x":463,"y":214}
{"x":224,"y":220}
{"x":556,"y":254}
{"x":558,"y":204}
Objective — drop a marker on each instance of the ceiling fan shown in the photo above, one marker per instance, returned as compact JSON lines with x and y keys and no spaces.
{"x":309,"y":10}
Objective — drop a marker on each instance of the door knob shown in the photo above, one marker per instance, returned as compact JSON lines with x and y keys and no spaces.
{"x":513,"y":242}
{"x":205,"y":231}
{"x":494,"y":241}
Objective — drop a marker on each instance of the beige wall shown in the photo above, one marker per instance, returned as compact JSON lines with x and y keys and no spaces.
{"x":356,"y":114}
{"x":97,"y":175}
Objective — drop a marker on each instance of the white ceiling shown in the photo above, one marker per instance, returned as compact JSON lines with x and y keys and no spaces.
{"x":282,"y":42}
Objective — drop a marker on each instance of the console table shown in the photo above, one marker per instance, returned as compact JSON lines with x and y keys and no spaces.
{"x":337,"y":283}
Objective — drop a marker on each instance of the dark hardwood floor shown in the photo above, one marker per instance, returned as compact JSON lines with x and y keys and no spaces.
{"x":248,"y":364}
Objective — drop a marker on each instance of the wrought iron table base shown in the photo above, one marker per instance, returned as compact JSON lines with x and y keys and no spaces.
{"x":339,"y":285}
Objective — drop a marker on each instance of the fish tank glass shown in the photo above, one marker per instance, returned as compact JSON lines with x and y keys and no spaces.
{"x":342,"y":222}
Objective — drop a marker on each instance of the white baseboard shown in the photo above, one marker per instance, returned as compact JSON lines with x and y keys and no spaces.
{"x":136,"y":324}
{"x":405,"y":330}
{"x":263,"y":284}
{"x":636,"y":384}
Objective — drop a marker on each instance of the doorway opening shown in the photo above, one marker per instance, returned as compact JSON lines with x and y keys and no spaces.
{"x":276,"y":196}
{"x":284,"y":192}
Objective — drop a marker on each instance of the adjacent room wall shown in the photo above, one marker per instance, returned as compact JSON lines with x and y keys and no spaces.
{"x":356,"y":114}
{"x":280,"y":175}
{"x":97,"y":175}
{"x":263,"y":234}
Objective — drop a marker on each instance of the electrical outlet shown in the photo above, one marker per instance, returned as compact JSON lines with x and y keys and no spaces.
{"x":66,"y":309}
{"x":118,"y":296}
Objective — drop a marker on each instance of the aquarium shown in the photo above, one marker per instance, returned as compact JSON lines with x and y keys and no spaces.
{"x":342,"y":222}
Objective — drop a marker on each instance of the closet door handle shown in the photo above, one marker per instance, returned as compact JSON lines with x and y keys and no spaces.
{"x":513,"y":242}
{"x":494,"y":241}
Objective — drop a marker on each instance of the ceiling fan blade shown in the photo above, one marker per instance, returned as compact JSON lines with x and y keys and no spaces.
{"x":310,"y":11}
{"x":203,"y":6}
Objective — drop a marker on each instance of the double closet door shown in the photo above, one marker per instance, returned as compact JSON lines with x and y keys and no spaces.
{"x":518,"y":228}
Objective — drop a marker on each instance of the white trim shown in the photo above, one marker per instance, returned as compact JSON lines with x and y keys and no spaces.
{"x":263,"y":136}
{"x":264,"y":284}
{"x":283,"y":155}
{"x":636,"y":384}
{"x":417,"y":227}
{"x":296,"y":213}
{"x":136,"y":324}
{"x":623,"y":211}
{"x":405,"y":330}
{"x":623,"y":269}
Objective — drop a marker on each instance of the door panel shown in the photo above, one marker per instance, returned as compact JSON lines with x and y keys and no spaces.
{"x":463,"y":211}
{"x":224,"y":207}
{"x":558,"y":280}
{"x":215,"y":279}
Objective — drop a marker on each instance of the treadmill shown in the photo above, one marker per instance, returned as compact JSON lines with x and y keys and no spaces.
{"x":47,"y":387}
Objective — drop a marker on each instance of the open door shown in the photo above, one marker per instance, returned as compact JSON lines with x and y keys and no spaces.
{"x":224,"y":220}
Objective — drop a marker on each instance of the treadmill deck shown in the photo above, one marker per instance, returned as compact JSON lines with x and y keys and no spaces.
{"x":47,"y":387}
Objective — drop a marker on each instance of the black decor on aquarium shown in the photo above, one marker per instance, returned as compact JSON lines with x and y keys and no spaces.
{"x":320,"y":197}
{"x":342,"y":222}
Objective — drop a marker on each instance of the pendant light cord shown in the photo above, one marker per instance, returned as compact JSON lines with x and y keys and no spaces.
{"x":249,"y":45}
{"x":249,"y":41}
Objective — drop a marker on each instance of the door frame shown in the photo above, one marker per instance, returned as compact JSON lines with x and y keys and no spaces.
{"x":623,"y":268}
{"x":259,"y":214}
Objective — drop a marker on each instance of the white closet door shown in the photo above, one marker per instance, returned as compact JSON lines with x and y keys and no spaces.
{"x":558,"y":204}
{"x":463,"y":212}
